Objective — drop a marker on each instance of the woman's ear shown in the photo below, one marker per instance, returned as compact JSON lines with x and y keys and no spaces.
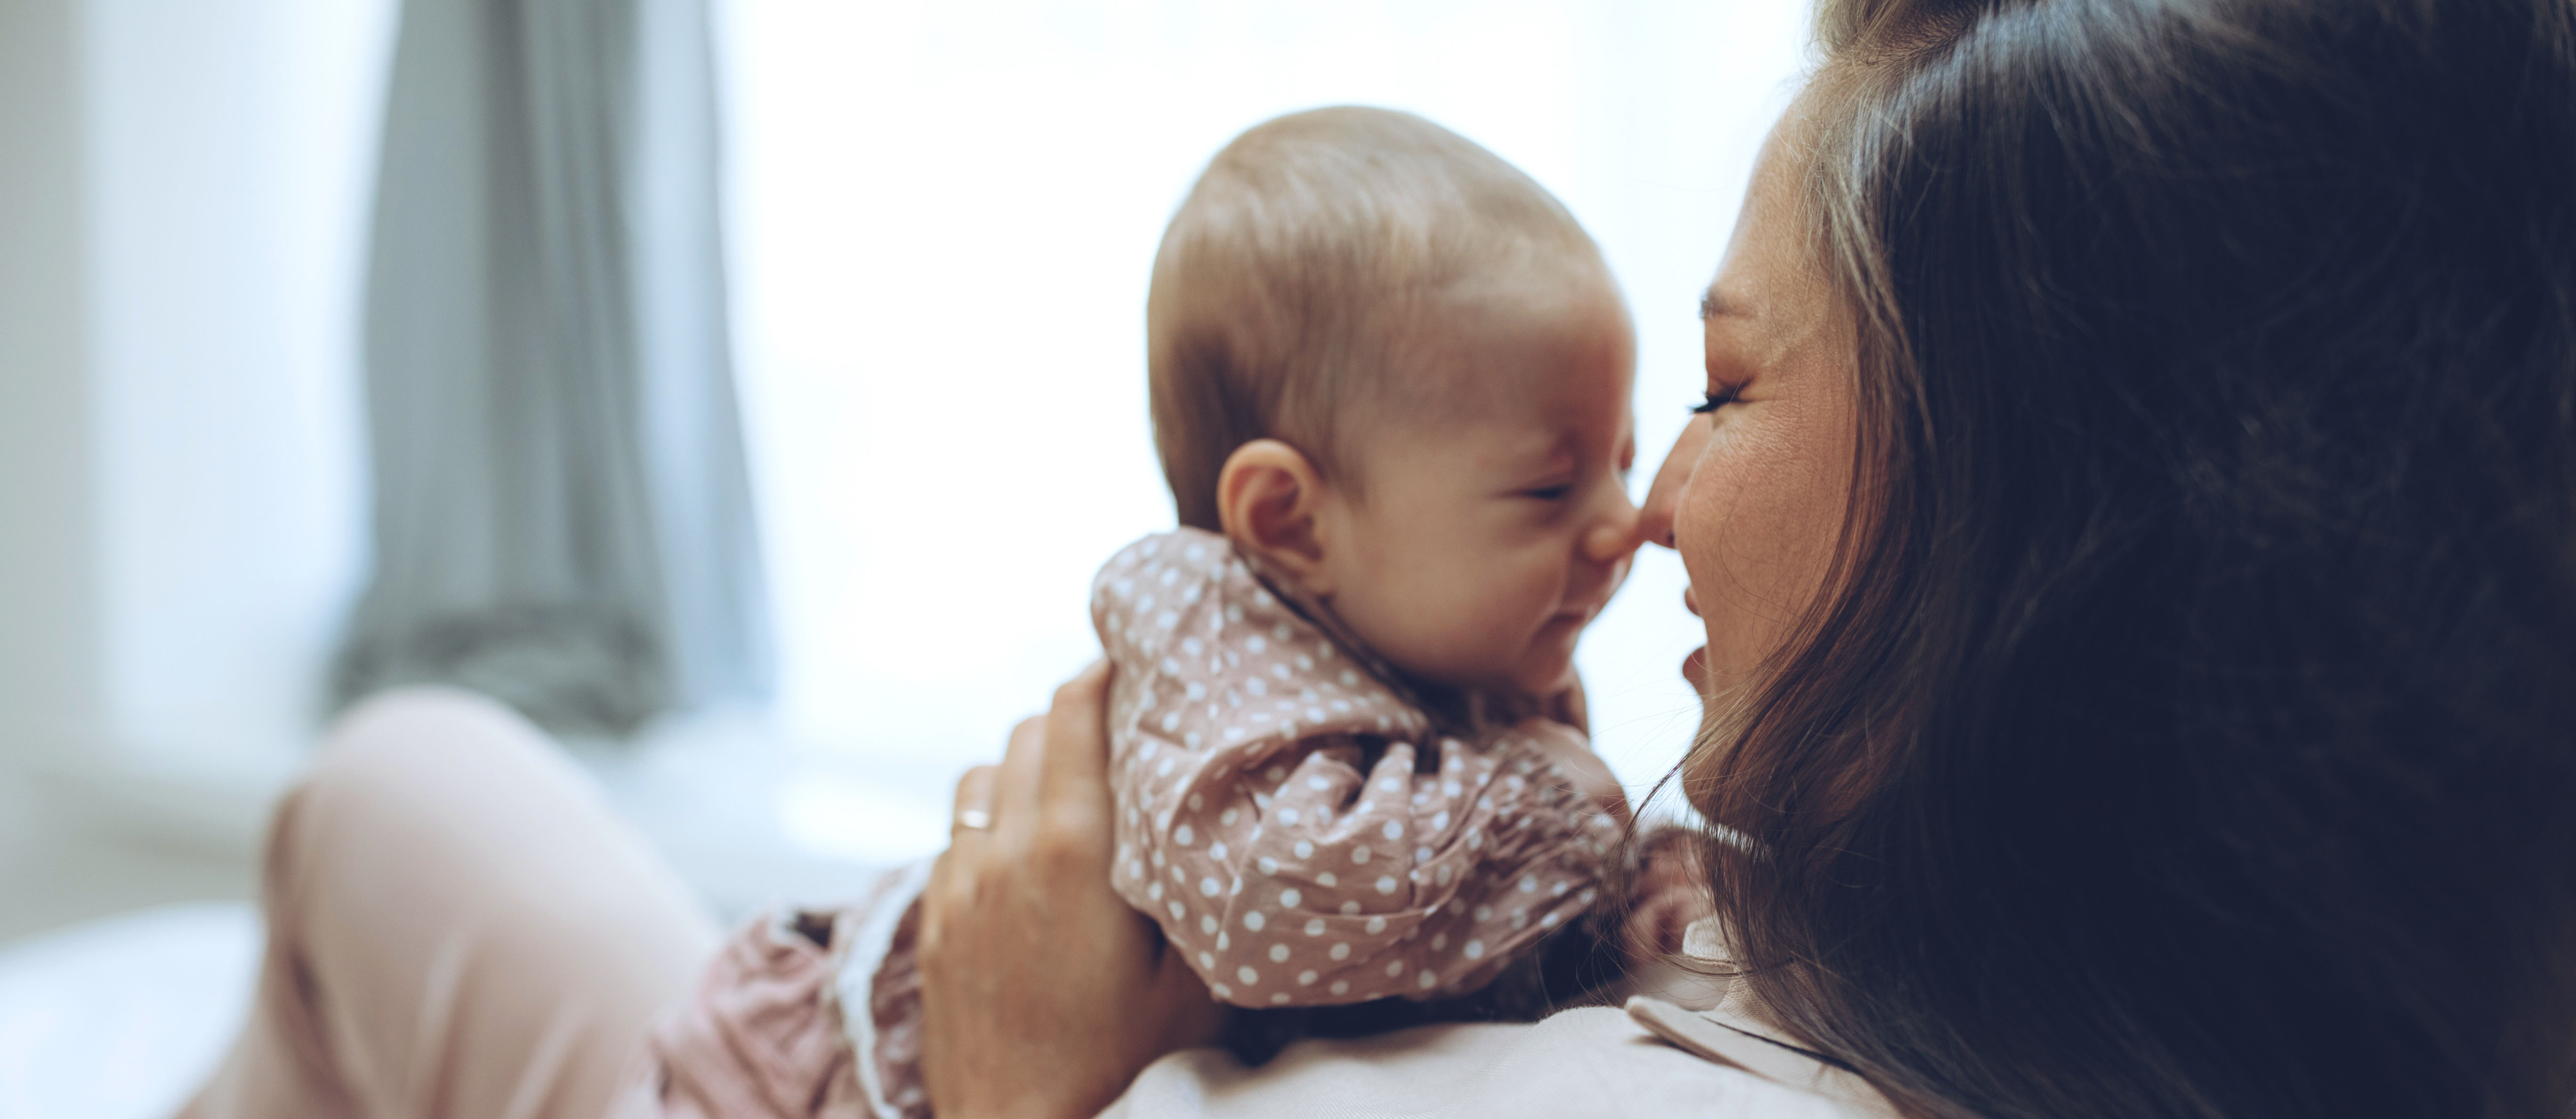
{"x":1270,"y":501}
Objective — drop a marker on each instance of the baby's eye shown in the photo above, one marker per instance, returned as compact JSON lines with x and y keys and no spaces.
{"x":1717,"y":398}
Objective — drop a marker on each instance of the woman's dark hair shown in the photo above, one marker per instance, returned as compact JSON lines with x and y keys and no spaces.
{"x":2191,"y":730}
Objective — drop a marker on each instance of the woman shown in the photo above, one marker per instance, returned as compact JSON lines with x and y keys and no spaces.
{"x":2138,"y":549}
{"x":2136,"y":531}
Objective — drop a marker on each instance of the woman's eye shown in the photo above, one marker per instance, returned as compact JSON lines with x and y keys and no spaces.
{"x":1717,"y":398}
{"x":1548,"y":493}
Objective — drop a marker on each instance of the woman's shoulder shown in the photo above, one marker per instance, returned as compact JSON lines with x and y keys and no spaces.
{"x":1654,"y":1059}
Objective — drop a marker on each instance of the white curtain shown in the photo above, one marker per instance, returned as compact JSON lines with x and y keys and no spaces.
{"x":562,"y":517}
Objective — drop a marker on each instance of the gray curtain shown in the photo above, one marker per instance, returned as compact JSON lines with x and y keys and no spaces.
{"x":562,"y":514}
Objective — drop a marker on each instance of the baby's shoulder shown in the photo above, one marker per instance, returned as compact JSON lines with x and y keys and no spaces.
{"x":1210,"y":657}
{"x":1166,"y":575}
{"x":1179,"y":549}
{"x":1186,"y":593}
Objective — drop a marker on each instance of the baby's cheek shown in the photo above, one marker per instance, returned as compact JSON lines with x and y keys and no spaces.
{"x":1445,"y":625}
{"x":1517,"y":617}
{"x":1469,"y":614}
{"x":1457,"y":617}
{"x":1417,"y":623}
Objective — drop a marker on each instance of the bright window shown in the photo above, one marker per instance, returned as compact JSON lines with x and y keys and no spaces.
{"x":943,"y":216}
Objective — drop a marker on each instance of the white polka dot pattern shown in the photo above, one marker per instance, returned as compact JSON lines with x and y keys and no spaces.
{"x":1306,"y":804}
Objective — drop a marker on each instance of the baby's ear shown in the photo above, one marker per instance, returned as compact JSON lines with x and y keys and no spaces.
{"x":1270,"y":500}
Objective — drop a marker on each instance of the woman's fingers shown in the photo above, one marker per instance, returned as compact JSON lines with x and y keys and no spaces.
{"x":974,"y":809}
{"x":1076,"y":766}
{"x":1069,"y":811}
{"x":1015,"y":784}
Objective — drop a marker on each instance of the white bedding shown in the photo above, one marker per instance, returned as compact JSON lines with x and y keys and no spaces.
{"x":120,"y":1017}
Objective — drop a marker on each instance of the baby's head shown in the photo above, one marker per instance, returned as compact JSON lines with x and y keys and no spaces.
{"x":1394,"y":369}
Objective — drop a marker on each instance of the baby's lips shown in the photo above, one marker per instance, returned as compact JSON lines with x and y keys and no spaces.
{"x":1576,"y":617}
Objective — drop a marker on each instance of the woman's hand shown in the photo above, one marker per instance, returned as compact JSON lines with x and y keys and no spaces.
{"x":1043,"y":993}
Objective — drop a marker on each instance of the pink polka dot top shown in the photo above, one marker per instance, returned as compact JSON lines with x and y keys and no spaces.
{"x":1304,"y":834}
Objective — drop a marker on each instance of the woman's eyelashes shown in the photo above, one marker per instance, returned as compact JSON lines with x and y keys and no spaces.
{"x":1717,"y":398}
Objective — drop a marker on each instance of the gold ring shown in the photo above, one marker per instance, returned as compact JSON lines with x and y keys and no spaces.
{"x":975,"y":818}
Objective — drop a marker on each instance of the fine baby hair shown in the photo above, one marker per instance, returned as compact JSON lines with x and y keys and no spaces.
{"x":1287,"y":276}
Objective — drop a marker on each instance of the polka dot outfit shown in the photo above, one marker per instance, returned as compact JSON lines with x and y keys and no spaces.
{"x":1303,"y":835}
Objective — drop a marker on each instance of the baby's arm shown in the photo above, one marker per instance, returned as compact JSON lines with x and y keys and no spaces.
{"x":1294,"y":827}
{"x":1344,"y":877}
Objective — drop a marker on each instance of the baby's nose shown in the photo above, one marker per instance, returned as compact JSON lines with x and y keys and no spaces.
{"x":1615,"y":538}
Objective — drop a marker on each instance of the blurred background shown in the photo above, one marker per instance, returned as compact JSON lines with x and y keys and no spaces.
{"x":746,"y":389}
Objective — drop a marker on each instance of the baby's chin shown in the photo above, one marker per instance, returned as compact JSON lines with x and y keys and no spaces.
{"x":1546,"y":674}
{"x":1544,"y":668}
{"x":1533,"y":679}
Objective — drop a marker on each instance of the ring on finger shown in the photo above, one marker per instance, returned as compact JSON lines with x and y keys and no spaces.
{"x":974,"y":819}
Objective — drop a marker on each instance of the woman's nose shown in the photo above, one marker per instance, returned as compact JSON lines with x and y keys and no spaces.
{"x":1655,"y":519}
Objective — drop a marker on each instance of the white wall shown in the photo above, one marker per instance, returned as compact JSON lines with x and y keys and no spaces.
{"x":181,"y":224}
{"x":231,"y":163}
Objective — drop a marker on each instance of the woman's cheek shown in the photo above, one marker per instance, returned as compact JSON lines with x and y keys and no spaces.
{"x":1767,"y":502}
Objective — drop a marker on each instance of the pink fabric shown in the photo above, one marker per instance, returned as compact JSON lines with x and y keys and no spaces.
{"x":1304,"y":834}
{"x":458,"y":926}
{"x":761,"y":1040}
{"x":769,"y":1034}
{"x":894,"y":1015}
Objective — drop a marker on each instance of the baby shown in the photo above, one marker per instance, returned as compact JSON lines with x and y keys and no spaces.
{"x":1389,"y":378}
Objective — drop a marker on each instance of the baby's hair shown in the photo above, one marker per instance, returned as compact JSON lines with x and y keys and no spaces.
{"x":1285,"y":277}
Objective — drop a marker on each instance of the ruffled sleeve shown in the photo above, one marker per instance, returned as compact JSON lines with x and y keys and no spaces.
{"x":1299,"y":831}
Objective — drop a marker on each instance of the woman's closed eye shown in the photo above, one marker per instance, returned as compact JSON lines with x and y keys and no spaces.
{"x":1717,"y":398}
{"x":1549,"y":493}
